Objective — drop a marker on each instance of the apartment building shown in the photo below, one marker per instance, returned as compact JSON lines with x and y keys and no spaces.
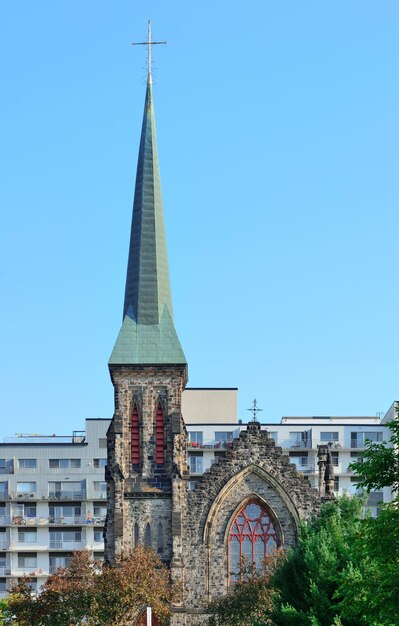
{"x":52,"y":501}
{"x":53,"y":492}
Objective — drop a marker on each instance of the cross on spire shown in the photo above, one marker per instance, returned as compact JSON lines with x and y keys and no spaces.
{"x":254,"y":410}
{"x":149,"y":43}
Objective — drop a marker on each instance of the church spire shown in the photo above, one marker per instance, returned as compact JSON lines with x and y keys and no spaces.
{"x":147,"y":334}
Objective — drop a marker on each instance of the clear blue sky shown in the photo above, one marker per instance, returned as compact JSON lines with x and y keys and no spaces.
{"x":278,"y":136}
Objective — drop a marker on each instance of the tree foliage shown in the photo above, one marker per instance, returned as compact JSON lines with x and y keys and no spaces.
{"x":86,"y":593}
{"x":380,"y":464}
{"x":250,"y":601}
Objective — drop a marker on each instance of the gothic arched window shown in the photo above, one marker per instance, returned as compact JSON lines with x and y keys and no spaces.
{"x":135,"y":444}
{"x":148,"y":536}
{"x":252,"y":537}
{"x":160,"y":538}
{"x":136,"y":534}
{"x":159,"y":436}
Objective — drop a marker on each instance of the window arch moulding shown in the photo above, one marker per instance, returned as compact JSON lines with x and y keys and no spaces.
{"x":225,"y":490}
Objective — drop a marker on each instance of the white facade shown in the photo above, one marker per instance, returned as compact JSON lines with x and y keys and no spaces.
{"x":53,"y":493}
{"x":52,"y":501}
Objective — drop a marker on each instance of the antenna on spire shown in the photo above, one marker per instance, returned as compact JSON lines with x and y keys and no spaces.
{"x":254,"y":410}
{"x":149,"y":43}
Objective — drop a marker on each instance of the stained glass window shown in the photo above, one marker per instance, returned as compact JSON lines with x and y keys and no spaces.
{"x":159,"y":437}
{"x":252,"y":537}
{"x":135,"y":437}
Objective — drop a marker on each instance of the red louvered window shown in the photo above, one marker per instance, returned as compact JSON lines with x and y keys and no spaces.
{"x":252,"y":537}
{"x":135,"y":436}
{"x":159,"y":436}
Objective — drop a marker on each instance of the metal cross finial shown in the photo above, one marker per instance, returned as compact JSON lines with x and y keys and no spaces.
{"x":254,"y":410}
{"x":149,"y":43}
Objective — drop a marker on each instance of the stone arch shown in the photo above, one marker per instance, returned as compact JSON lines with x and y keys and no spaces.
{"x":220,"y":516}
{"x":232,"y":482}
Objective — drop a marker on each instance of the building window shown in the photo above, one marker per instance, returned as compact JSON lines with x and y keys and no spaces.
{"x":159,"y":436}
{"x":68,"y":539}
{"x":195,"y":464}
{"x":335,"y":458}
{"x":99,"y":511}
{"x":329,"y":436}
{"x":147,"y":536}
{"x":136,"y":534}
{"x":58,"y":561}
{"x":336,"y":484}
{"x":71,"y":490}
{"x":27,"y":536}
{"x":223,"y":436}
{"x":98,"y":536}
{"x":299,"y":439}
{"x":27,"y":463}
{"x":160,"y":538}
{"x":300,"y":460}
{"x":27,"y":560}
{"x":26,"y":488}
{"x":358,"y":440}
{"x":3,"y":490}
{"x":135,"y":437}
{"x":252,"y":537}
{"x":64,"y":463}
{"x":273,"y":435}
{"x":64,"y":514}
{"x":99,"y":463}
{"x":196,"y":438}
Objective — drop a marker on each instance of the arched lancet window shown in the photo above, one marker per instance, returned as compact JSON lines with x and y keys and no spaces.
{"x":136,"y":534}
{"x":160,"y":538}
{"x":159,"y":436}
{"x":148,"y":536}
{"x":252,"y":537}
{"x":135,"y":437}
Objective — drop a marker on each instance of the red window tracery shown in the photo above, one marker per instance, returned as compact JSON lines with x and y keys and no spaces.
{"x":135,"y":436}
{"x":252,"y":536}
{"x":159,"y":436}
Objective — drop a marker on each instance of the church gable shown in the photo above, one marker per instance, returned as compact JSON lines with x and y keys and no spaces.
{"x":256,"y":473}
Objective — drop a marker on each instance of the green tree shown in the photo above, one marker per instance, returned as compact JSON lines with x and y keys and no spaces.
{"x":380,"y":463}
{"x":307,"y":580}
{"x":250,"y":601}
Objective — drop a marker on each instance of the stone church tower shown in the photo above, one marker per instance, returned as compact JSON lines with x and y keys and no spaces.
{"x":250,"y":501}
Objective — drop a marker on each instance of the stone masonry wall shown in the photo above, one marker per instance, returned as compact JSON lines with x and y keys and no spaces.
{"x":143,"y":496}
{"x":254,"y":467}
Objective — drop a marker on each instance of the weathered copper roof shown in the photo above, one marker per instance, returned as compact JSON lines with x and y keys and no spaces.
{"x":147,"y":335}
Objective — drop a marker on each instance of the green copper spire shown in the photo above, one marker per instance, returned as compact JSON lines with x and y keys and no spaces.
{"x":147,"y":335}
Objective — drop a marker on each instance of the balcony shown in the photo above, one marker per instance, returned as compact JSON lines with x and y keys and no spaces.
{"x":4,"y":544}
{"x":67,"y":495}
{"x":5,"y":520}
{"x":59,"y":544}
{"x":5,"y":570}
{"x":4,"y":495}
{"x":356,"y":443}
{"x":68,"y":521}
{"x":219,"y":445}
{"x":299,"y":445}
{"x":100,"y":495}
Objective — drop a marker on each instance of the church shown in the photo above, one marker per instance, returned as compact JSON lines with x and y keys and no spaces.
{"x":250,"y":501}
